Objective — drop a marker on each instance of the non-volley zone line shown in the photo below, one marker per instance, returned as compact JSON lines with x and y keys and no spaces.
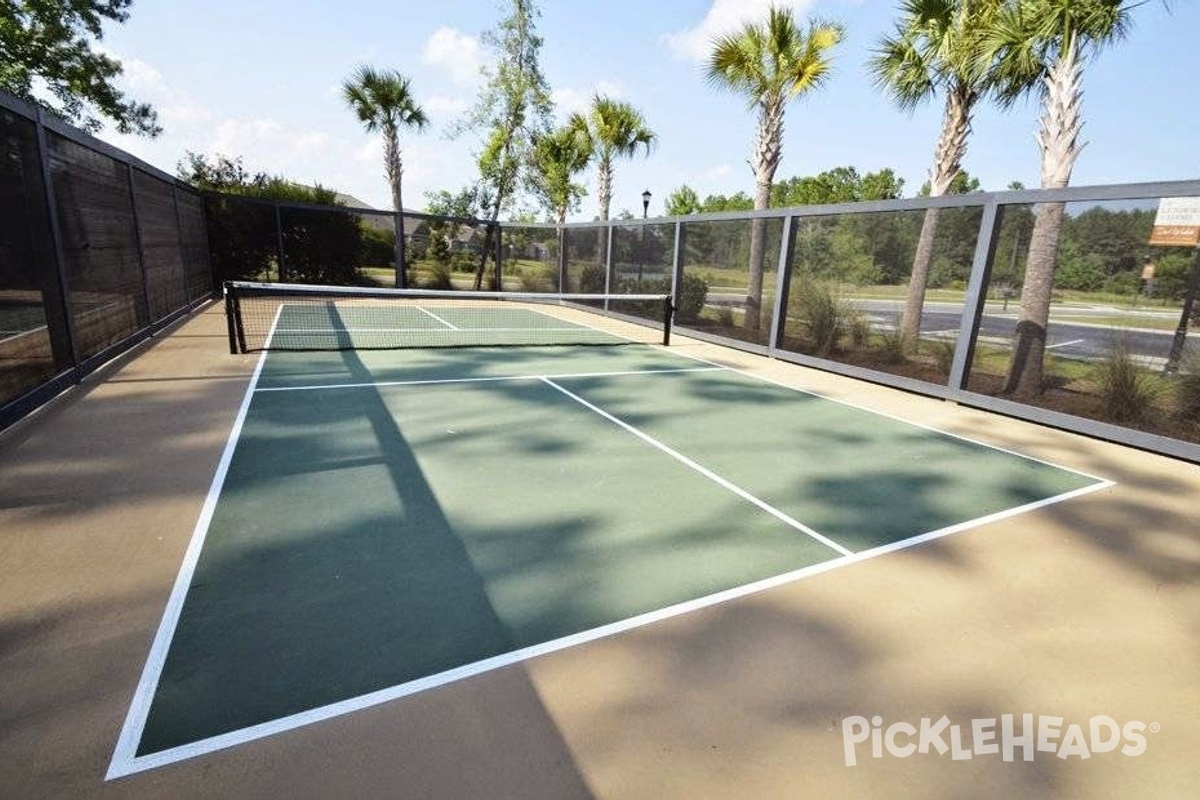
{"x":645,"y":437}
{"x":409,"y":329}
{"x":484,"y":379}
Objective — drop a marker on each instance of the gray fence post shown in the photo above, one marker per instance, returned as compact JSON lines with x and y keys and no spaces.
{"x":783,"y":280}
{"x":976,"y":297}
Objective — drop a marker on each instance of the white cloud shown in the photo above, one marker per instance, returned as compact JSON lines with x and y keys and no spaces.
{"x":371,"y":152}
{"x":569,"y":99}
{"x":718,"y":173}
{"x":458,"y":54}
{"x":440,"y":105}
{"x":139,"y":76}
{"x":244,"y":135}
{"x":313,"y":142}
{"x":723,"y":17}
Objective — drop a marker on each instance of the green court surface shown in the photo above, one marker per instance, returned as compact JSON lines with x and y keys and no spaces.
{"x":390,"y":522}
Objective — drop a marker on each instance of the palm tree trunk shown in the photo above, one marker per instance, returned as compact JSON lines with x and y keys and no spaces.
{"x":604,"y":185}
{"x":604,"y":196}
{"x":947,"y":162}
{"x":395,"y":175}
{"x":1029,"y":350}
{"x":1059,"y":142}
{"x":767,"y":153}
{"x":758,"y":252}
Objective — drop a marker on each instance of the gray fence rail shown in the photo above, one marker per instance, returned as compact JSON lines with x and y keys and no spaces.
{"x":1120,"y":364}
{"x":99,"y":250}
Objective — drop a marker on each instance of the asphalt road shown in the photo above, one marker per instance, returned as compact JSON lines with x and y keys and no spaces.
{"x":1074,"y":339}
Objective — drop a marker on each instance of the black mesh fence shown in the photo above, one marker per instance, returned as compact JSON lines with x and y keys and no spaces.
{"x":96,"y":251}
{"x":31,"y":309}
{"x":158,"y":232}
{"x":193,"y":238}
{"x":99,"y":245}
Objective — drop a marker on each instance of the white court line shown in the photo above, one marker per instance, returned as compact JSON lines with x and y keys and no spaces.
{"x":1064,"y":344}
{"x":125,"y":753}
{"x":712,"y":476}
{"x":578,"y":324}
{"x":281,"y":331}
{"x":491,"y":379}
{"x":125,"y":762}
{"x":892,"y":417}
{"x":439,"y":319}
{"x":137,"y":764}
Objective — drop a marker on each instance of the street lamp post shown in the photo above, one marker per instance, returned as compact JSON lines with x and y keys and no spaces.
{"x":645,"y":212}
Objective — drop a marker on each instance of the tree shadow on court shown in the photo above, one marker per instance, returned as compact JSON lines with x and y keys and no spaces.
{"x":99,"y":494}
{"x":1147,"y":522}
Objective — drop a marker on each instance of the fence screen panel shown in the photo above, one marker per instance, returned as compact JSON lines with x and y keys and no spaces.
{"x":99,"y":245}
{"x":158,"y":232}
{"x":33,"y":342}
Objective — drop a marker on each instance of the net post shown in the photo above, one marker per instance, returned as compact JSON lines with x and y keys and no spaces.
{"x":668,"y":313}
{"x":230,"y":327}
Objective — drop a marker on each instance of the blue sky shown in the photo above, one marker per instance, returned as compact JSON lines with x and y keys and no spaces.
{"x":261,"y":80}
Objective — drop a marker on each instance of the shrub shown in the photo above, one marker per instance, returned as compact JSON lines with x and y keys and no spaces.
{"x":1127,"y":391}
{"x":893,"y":345}
{"x":860,"y":331}
{"x":824,"y":316}
{"x":1124,"y":283}
{"x":438,"y":277}
{"x":693,"y":292}
{"x":1187,"y":390}
{"x":943,"y":354}
{"x":592,"y":279}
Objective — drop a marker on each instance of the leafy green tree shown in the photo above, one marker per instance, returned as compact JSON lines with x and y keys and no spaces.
{"x":382,"y":100}
{"x":557,"y":158}
{"x":770,"y":63}
{"x":682,"y":202}
{"x":837,"y":185}
{"x":715,"y":203}
{"x":1045,"y":44}
{"x":938,"y":47}
{"x":513,"y":109}
{"x":52,"y":41}
{"x":613,"y":129}
{"x":882,"y":185}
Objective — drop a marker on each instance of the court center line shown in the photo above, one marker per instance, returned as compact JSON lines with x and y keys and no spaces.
{"x":439,"y":319}
{"x":492,"y":379}
{"x":705,"y":471}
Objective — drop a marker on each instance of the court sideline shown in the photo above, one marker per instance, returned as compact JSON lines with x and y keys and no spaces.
{"x":1083,"y":609}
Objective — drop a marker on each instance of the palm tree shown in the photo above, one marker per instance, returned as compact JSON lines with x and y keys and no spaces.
{"x":938,"y":47}
{"x":770,"y":63}
{"x":1045,"y":43}
{"x":383,"y":102}
{"x":557,"y":157}
{"x":612,"y":128}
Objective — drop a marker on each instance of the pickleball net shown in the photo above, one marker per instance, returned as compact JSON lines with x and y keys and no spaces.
{"x":269,"y":316}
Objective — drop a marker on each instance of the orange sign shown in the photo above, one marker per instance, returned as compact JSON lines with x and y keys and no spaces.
{"x":1177,"y":223}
